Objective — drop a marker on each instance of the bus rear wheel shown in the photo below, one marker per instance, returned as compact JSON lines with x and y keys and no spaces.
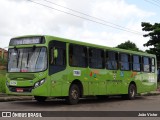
{"x":40,"y":98}
{"x":74,"y":94}
{"x":131,"y":92}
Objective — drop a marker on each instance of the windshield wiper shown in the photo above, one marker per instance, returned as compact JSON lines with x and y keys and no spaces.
{"x":17,"y":55}
{"x":33,"y":49}
{"x":27,"y":59}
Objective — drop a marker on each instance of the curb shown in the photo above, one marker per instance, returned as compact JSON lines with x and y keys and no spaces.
{"x":14,"y":98}
{"x":152,"y":93}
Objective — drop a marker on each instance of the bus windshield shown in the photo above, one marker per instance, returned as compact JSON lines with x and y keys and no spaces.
{"x":27,"y":59}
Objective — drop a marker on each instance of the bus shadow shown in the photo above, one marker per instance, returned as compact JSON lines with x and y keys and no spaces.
{"x":111,"y":99}
{"x":85,"y":101}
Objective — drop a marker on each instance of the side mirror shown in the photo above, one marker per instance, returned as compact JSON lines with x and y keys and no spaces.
{"x":55,"y":53}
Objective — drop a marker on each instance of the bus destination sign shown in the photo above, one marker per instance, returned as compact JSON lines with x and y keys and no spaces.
{"x":28,"y":40}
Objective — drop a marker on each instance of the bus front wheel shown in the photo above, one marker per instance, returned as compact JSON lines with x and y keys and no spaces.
{"x":40,"y":98}
{"x":74,"y":94}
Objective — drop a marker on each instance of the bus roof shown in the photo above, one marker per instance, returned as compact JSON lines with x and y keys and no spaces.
{"x":50,"y":38}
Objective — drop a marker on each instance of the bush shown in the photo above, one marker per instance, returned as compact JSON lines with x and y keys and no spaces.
{"x":2,"y":81}
{"x":3,"y":62}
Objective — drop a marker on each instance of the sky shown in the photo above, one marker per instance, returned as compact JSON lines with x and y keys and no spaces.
{"x":22,"y":17}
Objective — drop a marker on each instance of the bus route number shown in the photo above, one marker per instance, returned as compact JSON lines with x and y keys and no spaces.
{"x":76,"y":72}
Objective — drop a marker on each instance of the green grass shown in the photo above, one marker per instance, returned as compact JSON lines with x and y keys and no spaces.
{"x":2,"y":81}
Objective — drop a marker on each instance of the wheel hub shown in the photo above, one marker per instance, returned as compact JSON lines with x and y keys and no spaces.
{"x":132,"y":92}
{"x":74,"y":94}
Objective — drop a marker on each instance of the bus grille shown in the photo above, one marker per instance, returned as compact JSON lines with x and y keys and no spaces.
{"x":25,"y":89}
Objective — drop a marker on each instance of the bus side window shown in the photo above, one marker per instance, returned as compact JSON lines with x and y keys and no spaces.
{"x":60,"y":60}
{"x":136,"y":63}
{"x":96,"y":58}
{"x":124,"y":61}
{"x":57,"y":60}
{"x":78,"y":56}
{"x":111,"y":60}
{"x":146,"y":64}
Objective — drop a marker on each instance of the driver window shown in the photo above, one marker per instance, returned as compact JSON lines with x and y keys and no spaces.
{"x":61,"y":59}
{"x":57,"y":63}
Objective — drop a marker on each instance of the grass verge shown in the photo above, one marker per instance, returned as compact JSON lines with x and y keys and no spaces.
{"x":2,"y":81}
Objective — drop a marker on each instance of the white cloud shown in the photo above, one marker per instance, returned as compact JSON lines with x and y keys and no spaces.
{"x":118,"y":11}
{"x":21,"y":18}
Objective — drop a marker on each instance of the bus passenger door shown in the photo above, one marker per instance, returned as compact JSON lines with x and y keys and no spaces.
{"x":57,"y":65}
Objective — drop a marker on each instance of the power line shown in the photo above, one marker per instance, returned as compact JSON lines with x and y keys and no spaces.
{"x":90,"y":16}
{"x":85,"y":18}
{"x":157,"y":1}
{"x":154,"y":3}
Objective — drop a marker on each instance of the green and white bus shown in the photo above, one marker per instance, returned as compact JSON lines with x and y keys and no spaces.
{"x":47,"y":66}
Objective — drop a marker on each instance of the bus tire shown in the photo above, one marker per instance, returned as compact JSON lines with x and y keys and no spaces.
{"x":132,"y":91}
{"x":74,"y":94}
{"x":40,"y":98}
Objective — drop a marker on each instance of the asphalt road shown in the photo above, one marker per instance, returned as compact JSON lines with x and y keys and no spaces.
{"x":142,"y":103}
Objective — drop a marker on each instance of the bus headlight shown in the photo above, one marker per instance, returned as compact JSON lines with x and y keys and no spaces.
{"x":36,"y":84}
{"x":42,"y":81}
{"x":39,"y":83}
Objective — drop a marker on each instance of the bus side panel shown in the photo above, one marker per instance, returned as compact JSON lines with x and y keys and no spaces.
{"x":95,"y":82}
{"x":114,"y":83}
{"x":75,"y":74}
{"x":79,"y":74}
{"x":102,"y":87}
{"x":59,"y":84}
{"x":147,"y":82}
{"x":123,"y":79}
{"x":101,"y":79}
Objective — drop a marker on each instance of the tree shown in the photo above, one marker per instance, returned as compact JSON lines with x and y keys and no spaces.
{"x":154,"y":34}
{"x":3,"y":58}
{"x":128,"y":45}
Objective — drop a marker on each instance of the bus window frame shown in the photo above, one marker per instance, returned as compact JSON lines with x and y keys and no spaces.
{"x":116,"y":59}
{"x":152,"y":65}
{"x":129,"y":61}
{"x":103,"y":58}
{"x":69,"y":55}
{"x":63,"y":67}
{"x":140,"y":62}
{"x":147,"y":64}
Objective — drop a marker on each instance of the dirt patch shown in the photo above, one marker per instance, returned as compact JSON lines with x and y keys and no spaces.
{"x":2,"y":67}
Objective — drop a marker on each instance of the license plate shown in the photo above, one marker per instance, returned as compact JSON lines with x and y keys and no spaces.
{"x":13,"y":82}
{"x":19,"y":89}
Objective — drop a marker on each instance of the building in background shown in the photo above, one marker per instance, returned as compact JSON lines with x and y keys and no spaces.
{"x":3,"y":60}
{"x":5,"y":52}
